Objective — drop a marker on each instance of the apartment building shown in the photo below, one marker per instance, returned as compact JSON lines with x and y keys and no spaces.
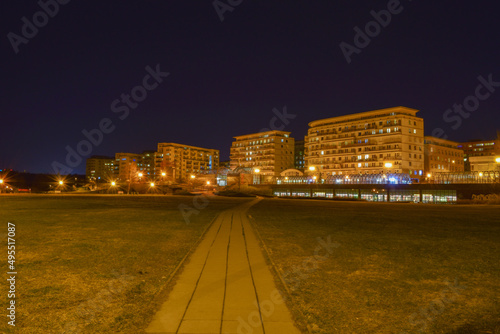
{"x":380,"y":141}
{"x":270,"y":152}
{"x":442,"y":156}
{"x":99,"y":168}
{"x":299,"y":160}
{"x":485,"y":152}
{"x":176,"y":162}
{"x":126,"y":166}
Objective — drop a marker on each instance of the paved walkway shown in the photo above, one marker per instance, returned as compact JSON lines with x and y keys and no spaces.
{"x":226,"y":287}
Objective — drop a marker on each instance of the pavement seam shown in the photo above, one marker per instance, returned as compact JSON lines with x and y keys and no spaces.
{"x":225,"y":279}
{"x":199,"y":277}
{"x":181,"y":263}
{"x":251,"y":272}
{"x":289,"y":296}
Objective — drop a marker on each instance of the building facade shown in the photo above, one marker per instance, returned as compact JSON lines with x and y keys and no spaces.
{"x":269,"y":152}
{"x":442,"y":156}
{"x":484,"y":151}
{"x":299,"y":155}
{"x":176,"y":162}
{"x":381,"y":141}
{"x":126,"y":166}
{"x":99,"y":168}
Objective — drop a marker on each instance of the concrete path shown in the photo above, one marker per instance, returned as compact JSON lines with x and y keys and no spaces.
{"x":226,"y":286}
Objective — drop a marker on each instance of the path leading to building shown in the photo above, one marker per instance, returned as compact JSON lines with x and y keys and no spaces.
{"x":226,"y":287}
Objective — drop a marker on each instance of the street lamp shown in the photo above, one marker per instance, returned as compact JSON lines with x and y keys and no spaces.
{"x":192,"y":176}
{"x":61,"y":183}
{"x":429,"y":175}
{"x":256,"y":177}
{"x":1,"y":181}
{"x":208,"y":183}
{"x":163,"y":174}
{"x":152,"y":184}
{"x":497,"y":160}
{"x":388,"y":165}
{"x":113,"y":183}
{"x":312,"y":168}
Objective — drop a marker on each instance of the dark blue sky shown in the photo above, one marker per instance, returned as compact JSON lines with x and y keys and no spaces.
{"x":226,"y":77}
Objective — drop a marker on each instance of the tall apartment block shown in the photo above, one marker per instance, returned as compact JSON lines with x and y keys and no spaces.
{"x":381,"y":141}
{"x":481,"y":155}
{"x":99,"y":168}
{"x":179,"y":161}
{"x":299,"y":155}
{"x":442,"y":156}
{"x":271,"y":152}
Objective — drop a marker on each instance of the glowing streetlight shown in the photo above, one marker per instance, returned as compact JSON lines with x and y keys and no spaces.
{"x":257,"y":170}
{"x":497,"y":160}
{"x":286,"y":177}
{"x":192,"y":176}
{"x":481,"y":174}
{"x":429,"y":175}
{"x":1,"y":181}
{"x":113,"y":183}
{"x":388,"y":165}
{"x":208,"y":183}
{"x":140,"y":174}
{"x":163,"y":174}
{"x":312,"y":168}
{"x":314,"y":177}
{"x":152,"y":184}
{"x":61,"y":182}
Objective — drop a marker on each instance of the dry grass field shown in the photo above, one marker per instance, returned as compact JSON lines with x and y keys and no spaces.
{"x":386,"y":268}
{"x":97,"y":264}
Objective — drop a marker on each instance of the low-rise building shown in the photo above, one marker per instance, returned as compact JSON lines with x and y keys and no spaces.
{"x":442,"y":156}
{"x":488,"y":149}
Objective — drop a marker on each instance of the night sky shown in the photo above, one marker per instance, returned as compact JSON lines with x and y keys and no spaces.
{"x":226,"y":77}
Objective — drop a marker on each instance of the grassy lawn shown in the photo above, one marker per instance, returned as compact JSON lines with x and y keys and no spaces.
{"x":388,"y":268}
{"x":96,"y":264}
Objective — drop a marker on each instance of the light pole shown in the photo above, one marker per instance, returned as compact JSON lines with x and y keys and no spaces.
{"x":192,"y":177}
{"x":256,"y":176}
{"x":163,"y":174}
{"x":313,"y":169}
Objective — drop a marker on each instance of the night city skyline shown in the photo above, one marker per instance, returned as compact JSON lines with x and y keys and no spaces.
{"x":225,"y":77}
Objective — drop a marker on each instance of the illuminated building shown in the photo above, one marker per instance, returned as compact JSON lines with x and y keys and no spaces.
{"x":299,"y":155}
{"x":270,"y":152}
{"x":485,"y":153}
{"x":442,"y":156}
{"x":126,"y":168}
{"x":373,"y":142}
{"x":99,"y":168}
{"x":179,"y":161}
